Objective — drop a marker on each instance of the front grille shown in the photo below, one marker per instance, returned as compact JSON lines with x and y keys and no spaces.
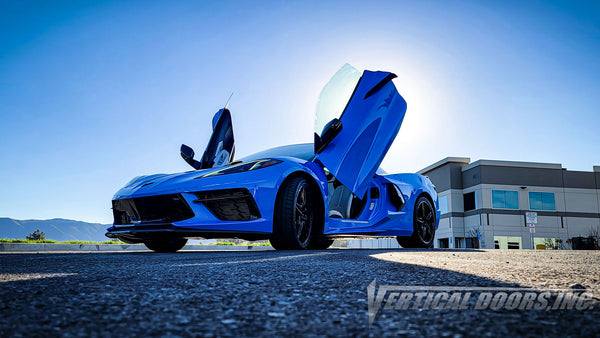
{"x":229,"y":204}
{"x":162,"y":208}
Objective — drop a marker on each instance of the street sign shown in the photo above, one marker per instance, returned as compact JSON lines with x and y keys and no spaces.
{"x":531,"y":228}
{"x":531,"y":217}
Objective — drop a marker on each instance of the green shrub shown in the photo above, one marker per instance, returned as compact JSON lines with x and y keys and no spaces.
{"x":260,"y":244}
{"x":20,"y":240}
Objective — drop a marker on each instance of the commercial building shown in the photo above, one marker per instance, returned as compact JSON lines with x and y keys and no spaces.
{"x":485,"y":204}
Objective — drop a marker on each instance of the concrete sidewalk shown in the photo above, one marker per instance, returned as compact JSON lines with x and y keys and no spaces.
{"x":41,"y":247}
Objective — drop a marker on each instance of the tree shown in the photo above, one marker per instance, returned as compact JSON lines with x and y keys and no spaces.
{"x":594,"y":235}
{"x":594,"y":232}
{"x":36,"y":236}
{"x":551,"y":243}
{"x":473,"y":235}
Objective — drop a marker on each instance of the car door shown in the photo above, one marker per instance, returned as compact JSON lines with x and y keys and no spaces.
{"x":370,"y":109}
{"x":221,"y":146}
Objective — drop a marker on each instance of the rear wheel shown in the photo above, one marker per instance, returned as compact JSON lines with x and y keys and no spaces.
{"x":294,"y":216}
{"x":166,"y":245}
{"x":423,"y":226}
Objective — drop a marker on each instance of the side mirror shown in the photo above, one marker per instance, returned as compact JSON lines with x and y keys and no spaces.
{"x":329,"y":133}
{"x":188,"y":155}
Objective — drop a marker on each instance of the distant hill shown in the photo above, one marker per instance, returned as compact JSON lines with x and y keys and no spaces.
{"x":57,"y":229}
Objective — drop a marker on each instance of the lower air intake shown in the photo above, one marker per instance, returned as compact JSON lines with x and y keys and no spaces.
{"x":162,"y":208}
{"x":229,"y":204}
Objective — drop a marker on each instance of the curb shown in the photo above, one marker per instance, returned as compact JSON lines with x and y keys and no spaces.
{"x":39,"y":247}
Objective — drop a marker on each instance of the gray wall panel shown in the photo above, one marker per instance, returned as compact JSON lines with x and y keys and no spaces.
{"x":472,"y":177}
{"x":440,"y":177}
{"x":456,"y":176}
{"x":448,"y":176}
{"x":579,"y":179}
{"x":513,"y":176}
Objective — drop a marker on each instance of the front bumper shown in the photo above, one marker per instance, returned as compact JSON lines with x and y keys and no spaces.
{"x":207,"y":214}
{"x":141,"y":233}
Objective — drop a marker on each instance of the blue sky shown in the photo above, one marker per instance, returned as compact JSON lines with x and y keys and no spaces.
{"x":95,"y":93}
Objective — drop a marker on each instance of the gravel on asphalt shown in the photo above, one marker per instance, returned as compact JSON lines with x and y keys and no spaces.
{"x":274,"y":293}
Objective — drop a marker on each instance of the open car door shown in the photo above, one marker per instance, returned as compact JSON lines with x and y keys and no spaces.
{"x":358,"y":118}
{"x":221,"y":146}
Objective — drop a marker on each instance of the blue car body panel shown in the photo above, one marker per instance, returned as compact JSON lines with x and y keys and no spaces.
{"x":370,"y":122}
{"x":262,"y":184}
{"x":383,"y":219}
{"x":379,"y":220}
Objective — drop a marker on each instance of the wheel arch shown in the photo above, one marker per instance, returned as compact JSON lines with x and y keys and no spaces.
{"x":428,"y":196}
{"x":315,"y":189}
{"x":436,"y":210}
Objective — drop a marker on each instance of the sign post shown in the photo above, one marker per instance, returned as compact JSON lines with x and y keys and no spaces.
{"x":531,"y":220}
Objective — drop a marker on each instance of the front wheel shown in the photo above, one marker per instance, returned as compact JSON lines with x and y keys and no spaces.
{"x":166,"y":245}
{"x":321,"y":244}
{"x":423,"y":226}
{"x":294,"y":216}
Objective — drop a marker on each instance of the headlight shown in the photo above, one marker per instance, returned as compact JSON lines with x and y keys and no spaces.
{"x":241,"y":167}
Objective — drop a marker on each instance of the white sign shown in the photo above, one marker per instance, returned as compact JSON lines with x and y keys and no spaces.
{"x":531,"y":217}
{"x":532,"y":228}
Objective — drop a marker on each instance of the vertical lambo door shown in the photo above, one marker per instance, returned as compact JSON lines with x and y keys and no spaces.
{"x":358,"y":117}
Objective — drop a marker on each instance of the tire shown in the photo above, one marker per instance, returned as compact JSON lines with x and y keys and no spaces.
{"x":320,"y":244}
{"x":294,"y":216}
{"x":423,"y":226}
{"x":166,"y":245}
{"x":125,"y":240}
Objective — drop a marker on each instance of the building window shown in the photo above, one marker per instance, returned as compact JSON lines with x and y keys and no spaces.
{"x":472,"y":243}
{"x":443,"y":200}
{"x":541,"y":201}
{"x":502,"y":199}
{"x":504,"y":242}
{"x":470,"y":200}
{"x":514,"y":245}
{"x":443,"y":242}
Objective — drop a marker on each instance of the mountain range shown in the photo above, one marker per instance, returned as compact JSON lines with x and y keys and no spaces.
{"x":56,"y":229}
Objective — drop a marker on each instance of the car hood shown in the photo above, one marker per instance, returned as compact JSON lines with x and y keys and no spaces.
{"x":157,"y":183}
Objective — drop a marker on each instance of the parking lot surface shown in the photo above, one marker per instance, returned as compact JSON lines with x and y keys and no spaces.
{"x":302,"y":293}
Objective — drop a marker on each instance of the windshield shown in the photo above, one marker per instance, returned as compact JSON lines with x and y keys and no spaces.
{"x":335,"y":96}
{"x":304,"y":151}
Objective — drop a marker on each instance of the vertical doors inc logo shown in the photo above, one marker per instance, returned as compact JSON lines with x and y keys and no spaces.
{"x":404,"y":297}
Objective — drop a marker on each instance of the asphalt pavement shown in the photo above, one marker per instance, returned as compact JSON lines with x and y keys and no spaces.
{"x":299,"y":293}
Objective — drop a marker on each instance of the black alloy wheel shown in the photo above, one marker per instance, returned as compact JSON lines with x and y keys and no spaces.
{"x":423,"y":226}
{"x":294,"y":216}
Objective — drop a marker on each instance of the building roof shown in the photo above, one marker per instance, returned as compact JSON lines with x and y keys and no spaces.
{"x":512,"y":164}
{"x":465,"y":164}
{"x":458,"y":160}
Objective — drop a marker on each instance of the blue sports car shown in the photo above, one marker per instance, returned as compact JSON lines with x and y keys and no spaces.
{"x":299,"y":196}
